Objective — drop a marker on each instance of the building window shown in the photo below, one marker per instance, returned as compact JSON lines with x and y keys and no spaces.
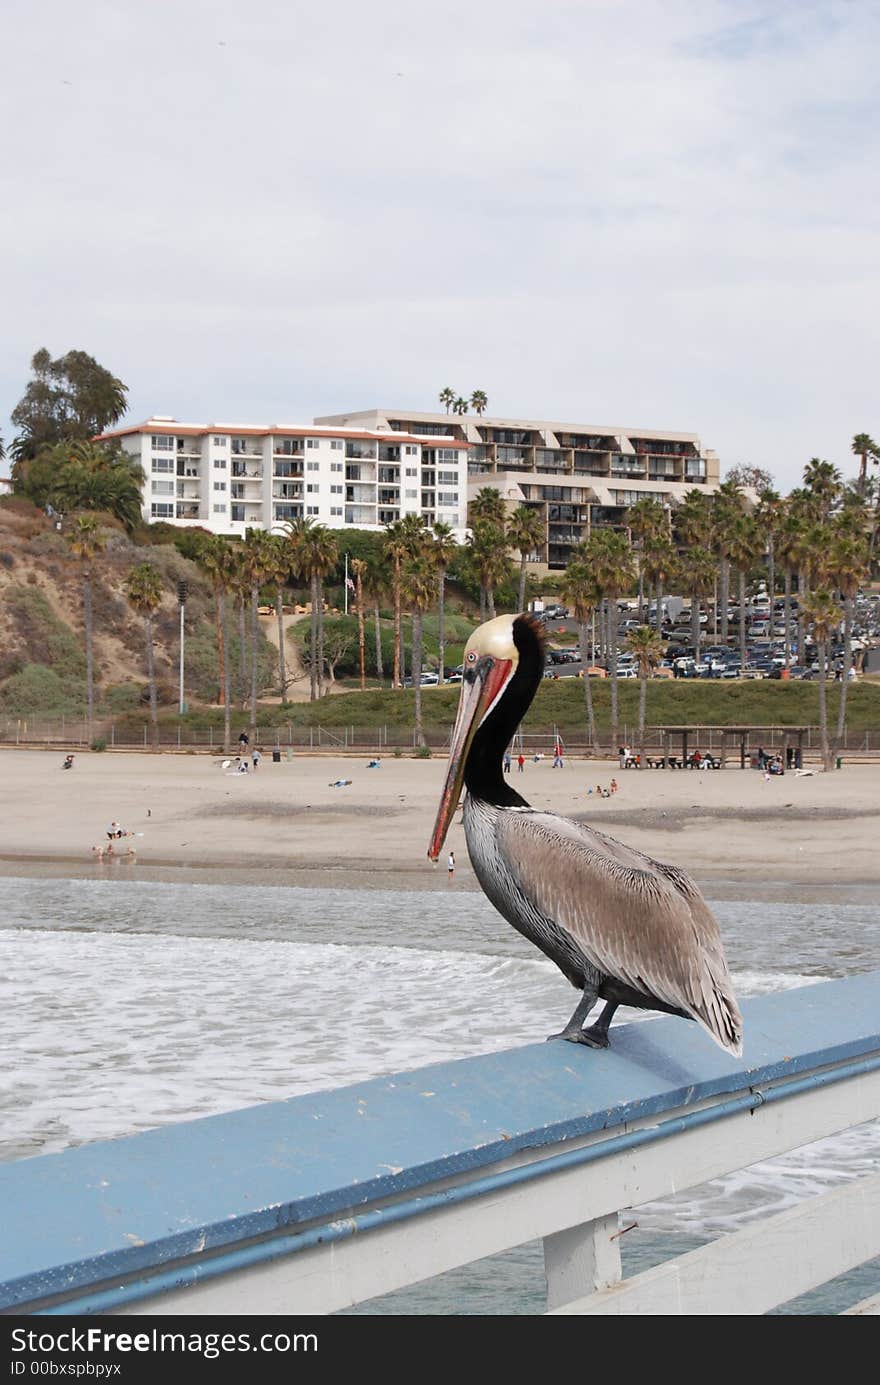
{"x":335,"y":490}
{"x":447,"y":478}
{"x":219,"y":509}
{"x":314,"y":487}
{"x":336,"y":509}
{"x":220,"y":442}
{"x":313,"y":442}
{"x":219,"y":485}
{"x":163,"y":487}
{"x":162,"y":442}
{"x":447,"y":497}
{"x":162,"y":509}
{"x":411,"y":451}
{"x":162,"y":464}
{"x":336,"y":443}
{"x":335,"y":466}
{"x":311,"y":509}
{"x":220,"y":463}
{"x":313,"y":466}
{"x":447,"y":454}
{"x":411,"y":495}
{"x":412,"y":471}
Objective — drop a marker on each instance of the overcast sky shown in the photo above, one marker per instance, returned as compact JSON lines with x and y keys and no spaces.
{"x":660,"y":213}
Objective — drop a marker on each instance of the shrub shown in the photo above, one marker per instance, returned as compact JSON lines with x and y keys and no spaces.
{"x":42,"y":637}
{"x":423,"y":753}
{"x":38,"y":690}
{"x":99,"y":743}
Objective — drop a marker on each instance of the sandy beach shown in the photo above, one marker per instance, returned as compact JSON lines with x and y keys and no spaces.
{"x":288,"y":823}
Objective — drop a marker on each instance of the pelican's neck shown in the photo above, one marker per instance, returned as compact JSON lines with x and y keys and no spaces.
{"x":483,"y":774}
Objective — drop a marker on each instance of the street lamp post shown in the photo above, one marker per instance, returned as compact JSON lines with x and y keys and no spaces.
{"x":182,"y":588}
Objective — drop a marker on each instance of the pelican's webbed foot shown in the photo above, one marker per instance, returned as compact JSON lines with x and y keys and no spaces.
{"x":597,"y":1034}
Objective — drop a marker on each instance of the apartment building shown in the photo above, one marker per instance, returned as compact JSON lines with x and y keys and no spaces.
{"x":577,"y":474}
{"x":229,"y":478}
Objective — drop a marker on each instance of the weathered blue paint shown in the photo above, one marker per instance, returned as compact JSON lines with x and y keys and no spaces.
{"x":126,"y":1206}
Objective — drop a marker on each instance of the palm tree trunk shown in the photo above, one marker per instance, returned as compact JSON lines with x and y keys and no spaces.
{"x":786,"y":616}
{"x":313,"y":633}
{"x":482,"y":602}
{"x":441,"y":622}
{"x":380,"y":672}
{"x":255,"y":629}
{"x":695,"y":622}
{"x":395,"y":676}
{"x":521,"y":595}
{"x":643,"y":702}
{"x":823,"y":709}
{"x":417,"y":672}
{"x":490,"y":599}
{"x":361,"y":635}
{"x":771,"y":575}
{"x":583,"y":638}
{"x":847,"y":665}
{"x":723,"y":595}
{"x":320,"y":636}
{"x":227,"y":677}
{"x":801,"y":626}
{"x":742,"y":619}
{"x":90,"y":655}
{"x":151,"y":679}
{"x":612,"y":655}
{"x":282,"y":662}
{"x":242,"y":650}
{"x":641,"y":590}
{"x":221,"y":647}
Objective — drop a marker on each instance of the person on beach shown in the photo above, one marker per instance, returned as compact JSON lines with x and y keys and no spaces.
{"x":507,"y":762}
{"x":243,"y":742}
{"x":114,"y":830}
{"x":68,"y":762}
{"x":613,"y":786}
{"x":557,"y":756}
{"x":450,"y":865}
{"x":520,"y":762}
{"x":256,"y":757}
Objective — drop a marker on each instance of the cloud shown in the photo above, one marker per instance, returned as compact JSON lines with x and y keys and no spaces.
{"x":645,"y":212}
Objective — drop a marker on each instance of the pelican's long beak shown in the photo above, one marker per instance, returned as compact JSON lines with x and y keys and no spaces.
{"x":479,"y":690}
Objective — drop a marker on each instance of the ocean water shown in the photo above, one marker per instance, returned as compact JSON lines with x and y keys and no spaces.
{"x":125,"y":1005}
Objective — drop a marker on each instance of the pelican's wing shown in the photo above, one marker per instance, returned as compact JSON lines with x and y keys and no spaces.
{"x":645,"y":923}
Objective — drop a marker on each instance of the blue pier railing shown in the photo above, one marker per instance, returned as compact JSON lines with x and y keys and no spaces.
{"x":323,"y":1201}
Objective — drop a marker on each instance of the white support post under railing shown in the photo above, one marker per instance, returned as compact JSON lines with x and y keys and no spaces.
{"x":582,"y":1260}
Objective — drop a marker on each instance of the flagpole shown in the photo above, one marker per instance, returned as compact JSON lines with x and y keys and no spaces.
{"x":346,"y":584}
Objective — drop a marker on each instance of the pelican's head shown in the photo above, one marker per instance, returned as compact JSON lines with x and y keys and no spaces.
{"x":490,"y":660}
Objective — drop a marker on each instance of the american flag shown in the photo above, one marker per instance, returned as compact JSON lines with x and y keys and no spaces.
{"x":349,"y":583}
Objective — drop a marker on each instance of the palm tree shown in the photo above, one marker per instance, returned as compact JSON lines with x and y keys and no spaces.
{"x":376,"y":578}
{"x":487,"y":507}
{"x":769,"y":515}
{"x":727,"y":503}
{"x":404,"y":539}
{"x":660,"y":564}
{"x":525,"y":532}
{"x":646,"y":520}
{"x":700,"y":573}
{"x":460,"y":406}
{"x":143,"y":587}
{"x":824,"y":481}
{"x":849,"y":566}
{"x":479,"y":402}
{"x":694,"y":528}
{"x":822,"y":614}
{"x":580,"y":592}
{"x":443,"y":550}
{"x":647,"y":646}
{"x":610,"y":557}
{"x":864,"y":446}
{"x":315,"y":554}
{"x":359,"y":569}
{"x":238,"y":583}
{"x":279,"y":572}
{"x":745,"y":545}
{"x":258,"y":562}
{"x":447,"y":397}
{"x":86,"y":541}
{"x":488,"y":553}
{"x":417,"y":582}
{"x":219,"y":561}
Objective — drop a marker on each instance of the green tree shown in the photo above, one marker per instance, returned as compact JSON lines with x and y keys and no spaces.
{"x":417,"y":582}
{"x":822,"y":615}
{"x":460,"y":406}
{"x":86,"y":541}
{"x":258,"y":559}
{"x":447,"y":397}
{"x":848,"y":564}
{"x":647,"y":646}
{"x":405,"y":539}
{"x":769,"y":516}
{"x":359,"y":571}
{"x":727,"y":503}
{"x":443,"y":551}
{"x":143,"y":587}
{"x":71,"y":397}
{"x":864,"y":446}
{"x":755,"y":477}
{"x":694,"y":530}
{"x":525,"y":533}
{"x":823,"y":480}
{"x":487,"y":507}
{"x":660,"y":563}
{"x":479,"y":402}
{"x":315,"y":554}
{"x":647,"y":521}
{"x":215,"y":558}
{"x":745,"y":545}
{"x":487,"y":548}
{"x":580,"y":592}
{"x":609,"y":555}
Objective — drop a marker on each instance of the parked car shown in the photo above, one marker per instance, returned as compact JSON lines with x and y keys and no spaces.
{"x":627,"y":672}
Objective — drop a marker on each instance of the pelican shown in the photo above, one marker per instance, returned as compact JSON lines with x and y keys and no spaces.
{"x":620,"y":926}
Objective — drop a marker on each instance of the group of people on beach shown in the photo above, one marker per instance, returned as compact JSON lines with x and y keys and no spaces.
{"x":115,"y":832}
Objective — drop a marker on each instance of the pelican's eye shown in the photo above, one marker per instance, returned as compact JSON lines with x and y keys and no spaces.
{"x":472,"y":657}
